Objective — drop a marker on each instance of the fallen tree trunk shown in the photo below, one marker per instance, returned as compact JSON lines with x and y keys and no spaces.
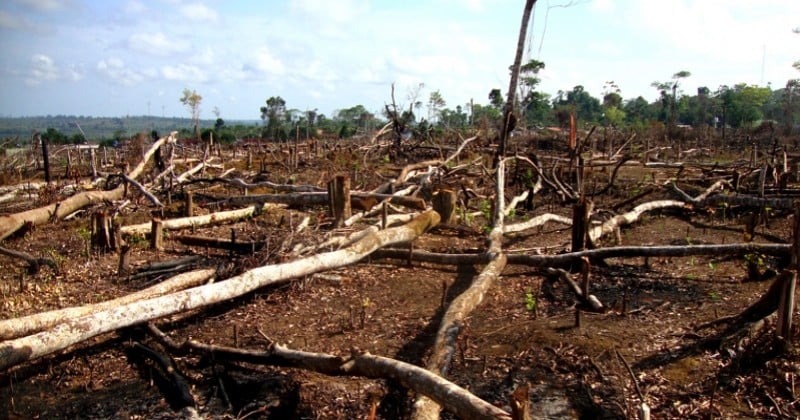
{"x":567,"y":259}
{"x":452,"y":397}
{"x":206,"y":219}
{"x":19,"y":327}
{"x":616,"y":222}
{"x":425,"y":408}
{"x":217,"y":243}
{"x":57,"y":211}
{"x":34,"y":263}
{"x":70,"y":332}
{"x":319,"y":198}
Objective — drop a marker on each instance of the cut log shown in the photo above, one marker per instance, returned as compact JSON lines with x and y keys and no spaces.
{"x":242,"y":247}
{"x":206,"y":219}
{"x":452,"y":397}
{"x":444,"y":202}
{"x":18,"y":327}
{"x":73,"y":331}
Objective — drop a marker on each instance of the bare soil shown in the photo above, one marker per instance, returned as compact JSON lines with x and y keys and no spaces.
{"x":524,"y":331}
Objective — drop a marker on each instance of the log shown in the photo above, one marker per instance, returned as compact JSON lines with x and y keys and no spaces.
{"x":76,"y":330}
{"x":18,"y":327}
{"x":34,"y":263}
{"x":206,"y":219}
{"x":57,"y":211}
{"x":566,"y":259}
{"x":452,"y":397}
{"x":318,"y":198}
{"x":242,"y":247}
{"x":462,"y":306}
{"x":618,"y":221}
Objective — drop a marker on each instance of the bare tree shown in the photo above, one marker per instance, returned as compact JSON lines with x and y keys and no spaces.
{"x":191,"y":99}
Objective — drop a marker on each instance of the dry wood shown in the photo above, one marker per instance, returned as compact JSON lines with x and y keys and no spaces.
{"x":462,"y":306}
{"x":76,"y":330}
{"x":11,"y":223}
{"x":452,"y":397}
{"x":34,"y":263}
{"x":618,"y":221}
{"x":218,"y":243}
{"x":567,"y":259}
{"x":18,"y":327}
{"x":206,"y":219}
{"x":319,"y":198}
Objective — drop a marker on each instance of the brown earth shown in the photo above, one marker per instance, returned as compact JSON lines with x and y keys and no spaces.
{"x":522,"y":332}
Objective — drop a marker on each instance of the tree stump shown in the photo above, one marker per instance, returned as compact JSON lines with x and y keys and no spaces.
{"x":102,"y":236}
{"x":188,"y":208}
{"x":444,"y":202}
{"x":157,"y":234}
{"x":339,"y":198}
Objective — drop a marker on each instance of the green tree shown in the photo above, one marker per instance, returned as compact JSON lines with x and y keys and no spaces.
{"x":671,"y":101}
{"x":453,"y":118}
{"x":638,"y":111}
{"x":191,"y":100}
{"x":496,"y":98}
{"x":274,"y":115}
{"x":54,"y":136}
{"x":587,"y":108}
{"x":612,"y":101}
{"x":535,"y":105}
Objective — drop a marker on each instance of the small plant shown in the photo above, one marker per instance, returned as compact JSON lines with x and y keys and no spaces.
{"x":711,"y":265}
{"x":692,"y":261}
{"x":530,"y":300}
{"x":714,"y":295}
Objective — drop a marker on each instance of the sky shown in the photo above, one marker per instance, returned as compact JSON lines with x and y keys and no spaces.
{"x":135,"y":57}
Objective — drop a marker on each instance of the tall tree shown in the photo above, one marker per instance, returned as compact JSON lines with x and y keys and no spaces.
{"x":273,"y":116}
{"x":191,"y":100}
{"x":534,"y":105}
{"x":509,"y":119}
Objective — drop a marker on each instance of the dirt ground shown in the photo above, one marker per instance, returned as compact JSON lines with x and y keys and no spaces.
{"x":523,"y":332}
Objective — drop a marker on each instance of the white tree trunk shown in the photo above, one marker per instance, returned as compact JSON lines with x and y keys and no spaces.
{"x":70,"y":332}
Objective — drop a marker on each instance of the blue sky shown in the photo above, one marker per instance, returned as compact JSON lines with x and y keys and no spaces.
{"x":134,"y":57}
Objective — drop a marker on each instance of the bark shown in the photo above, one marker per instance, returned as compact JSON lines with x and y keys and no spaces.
{"x":320,"y":198}
{"x":19,"y":327}
{"x":34,"y":263}
{"x":218,"y":243}
{"x":76,"y":330}
{"x":57,"y":211}
{"x":460,"y":308}
{"x":632,"y":216}
{"x":206,"y":219}
{"x":452,"y":397}
{"x":566,"y":259}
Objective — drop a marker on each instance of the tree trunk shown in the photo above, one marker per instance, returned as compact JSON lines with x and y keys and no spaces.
{"x":11,"y":223}
{"x":76,"y":330}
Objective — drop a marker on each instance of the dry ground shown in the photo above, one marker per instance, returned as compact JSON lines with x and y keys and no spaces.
{"x":523,"y":331}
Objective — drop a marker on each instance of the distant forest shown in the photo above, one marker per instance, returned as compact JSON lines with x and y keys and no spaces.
{"x":98,"y":128}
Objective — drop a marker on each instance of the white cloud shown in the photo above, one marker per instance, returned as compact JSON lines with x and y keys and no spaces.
{"x":198,"y":12}
{"x":115,"y":70}
{"x":263,"y":61}
{"x":185,"y":73}
{"x":44,"y":69}
{"x":156,"y":44}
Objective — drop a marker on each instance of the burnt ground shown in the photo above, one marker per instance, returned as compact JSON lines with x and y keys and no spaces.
{"x":522,"y":332}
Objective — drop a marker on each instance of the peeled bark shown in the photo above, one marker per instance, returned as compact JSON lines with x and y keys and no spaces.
{"x":73,"y":331}
{"x":206,"y":219}
{"x":18,"y":327}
